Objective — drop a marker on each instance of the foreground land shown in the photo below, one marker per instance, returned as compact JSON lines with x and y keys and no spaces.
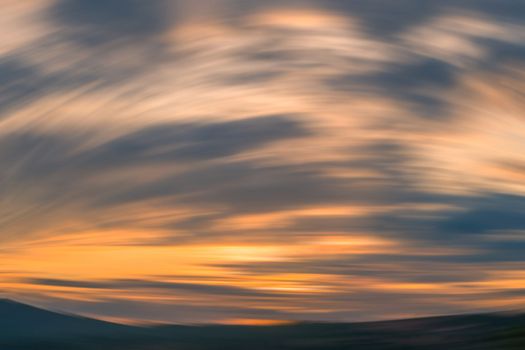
{"x":23,"y":327}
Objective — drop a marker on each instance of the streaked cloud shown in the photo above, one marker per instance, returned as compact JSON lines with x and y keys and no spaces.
{"x":240,"y":161}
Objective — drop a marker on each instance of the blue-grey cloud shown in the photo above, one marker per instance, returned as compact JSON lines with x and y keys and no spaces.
{"x":48,"y":154}
{"x":387,"y":18}
{"x":179,"y":142}
{"x":133,"y":284}
{"x":383,"y":17}
{"x":492,"y":213}
{"x":97,"y":22}
{"x":416,"y":83}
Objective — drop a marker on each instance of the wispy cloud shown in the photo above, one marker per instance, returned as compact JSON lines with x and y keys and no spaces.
{"x":284,"y":160}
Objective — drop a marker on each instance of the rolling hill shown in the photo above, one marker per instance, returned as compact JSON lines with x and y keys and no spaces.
{"x":24,"y":327}
{"x":19,"y":320}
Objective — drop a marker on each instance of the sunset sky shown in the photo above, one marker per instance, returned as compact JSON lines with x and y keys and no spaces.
{"x":257,"y":161}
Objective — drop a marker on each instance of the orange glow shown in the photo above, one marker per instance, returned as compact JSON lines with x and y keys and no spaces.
{"x":298,"y":18}
{"x":255,"y":322}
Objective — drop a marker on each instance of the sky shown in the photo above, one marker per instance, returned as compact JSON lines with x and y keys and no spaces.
{"x":256,"y":162}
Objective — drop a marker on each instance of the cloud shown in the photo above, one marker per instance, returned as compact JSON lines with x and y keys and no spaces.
{"x":492,"y":213}
{"x":130,"y":284}
{"x":388,"y":19}
{"x":179,"y":142}
{"x":48,"y":154}
{"x":54,"y":171}
{"x":266,"y":156}
{"x":506,"y":9}
{"x":23,"y":83}
{"x":98,"y":22}
{"x":383,"y":17}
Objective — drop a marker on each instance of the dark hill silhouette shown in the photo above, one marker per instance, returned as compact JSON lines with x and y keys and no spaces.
{"x":24,"y":327}
{"x":21,"y":320}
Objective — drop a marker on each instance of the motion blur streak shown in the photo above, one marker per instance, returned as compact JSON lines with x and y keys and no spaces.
{"x":259,"y":162}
